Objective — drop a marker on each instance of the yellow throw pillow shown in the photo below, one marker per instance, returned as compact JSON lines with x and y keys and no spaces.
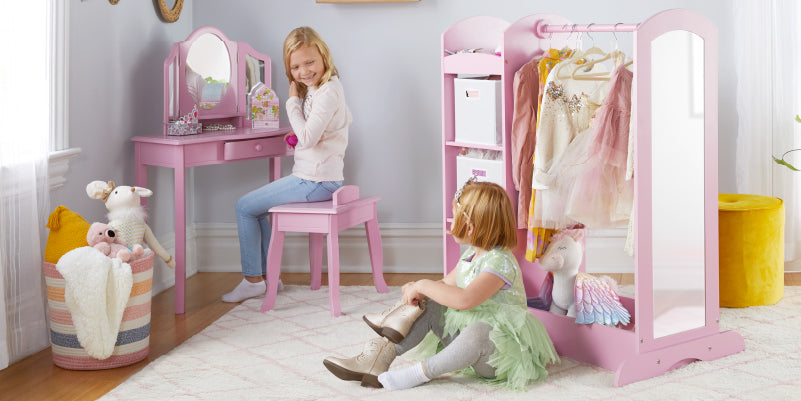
{"x":67,"y":232}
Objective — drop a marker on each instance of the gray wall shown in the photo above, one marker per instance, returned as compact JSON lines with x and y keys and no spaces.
{"x":387,"y":53}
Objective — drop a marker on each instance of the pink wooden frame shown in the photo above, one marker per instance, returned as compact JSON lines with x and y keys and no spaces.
{"x":632,"y":352}
{"x":232,"y":106}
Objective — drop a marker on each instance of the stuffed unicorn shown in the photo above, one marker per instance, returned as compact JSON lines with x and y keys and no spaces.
{"x":576,"y":294}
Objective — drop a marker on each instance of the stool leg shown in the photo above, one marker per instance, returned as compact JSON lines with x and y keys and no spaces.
{"x":273,"y":266}
{"x":333,"y":271}
{"x":376,"y":255}
{"x":315,"y":259}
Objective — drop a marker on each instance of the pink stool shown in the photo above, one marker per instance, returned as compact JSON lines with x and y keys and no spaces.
{"x":344,"y":211}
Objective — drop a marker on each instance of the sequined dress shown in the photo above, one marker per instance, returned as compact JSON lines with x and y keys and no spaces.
{"x":522,"y":346}
{"x":567,"y":110}
{"x":591,"y":187}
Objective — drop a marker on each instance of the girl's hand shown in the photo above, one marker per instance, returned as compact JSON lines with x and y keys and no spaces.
{"x":293,"y":89}
{"x":411,"y":293}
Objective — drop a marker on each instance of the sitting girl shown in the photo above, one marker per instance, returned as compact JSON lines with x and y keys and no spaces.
{"x":477,"y":312}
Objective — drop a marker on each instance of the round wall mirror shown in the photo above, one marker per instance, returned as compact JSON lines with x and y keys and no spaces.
{"x":208,"y":71}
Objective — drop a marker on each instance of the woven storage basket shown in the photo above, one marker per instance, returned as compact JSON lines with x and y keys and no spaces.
{"x":133,"y":340}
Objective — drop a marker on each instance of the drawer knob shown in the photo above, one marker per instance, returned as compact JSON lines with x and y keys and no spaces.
{"x":258,"y":147}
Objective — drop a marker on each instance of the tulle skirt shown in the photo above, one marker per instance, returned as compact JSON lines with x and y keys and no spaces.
{"x":587,"y":182}
{"x":522,"y":346}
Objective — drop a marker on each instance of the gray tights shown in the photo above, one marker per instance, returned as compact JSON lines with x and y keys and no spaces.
{"x":469,"y":347}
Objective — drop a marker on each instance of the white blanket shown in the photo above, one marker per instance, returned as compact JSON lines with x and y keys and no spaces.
{"x":96,"y":292}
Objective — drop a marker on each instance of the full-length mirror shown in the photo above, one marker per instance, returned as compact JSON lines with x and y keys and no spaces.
{"x":677,"y":124}
{"x":208,"y":71}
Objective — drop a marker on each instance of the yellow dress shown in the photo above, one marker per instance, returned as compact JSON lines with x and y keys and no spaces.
{"x":537,"y":237}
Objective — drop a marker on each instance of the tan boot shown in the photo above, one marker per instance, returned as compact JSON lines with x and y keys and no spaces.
{"x":395,"y":322}
{"x":375,"y":359}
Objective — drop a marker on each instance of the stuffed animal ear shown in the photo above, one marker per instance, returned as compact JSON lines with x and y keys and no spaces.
{"x":97,"y":189}
{"x":143,"y":192}
{"x":578,"y":235}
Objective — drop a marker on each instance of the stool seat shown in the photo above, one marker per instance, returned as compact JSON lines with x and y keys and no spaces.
{"x":751,"y":236}
{"x":345,"y":210}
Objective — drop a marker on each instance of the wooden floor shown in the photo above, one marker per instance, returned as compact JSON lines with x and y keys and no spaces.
{"x":36,"y":378}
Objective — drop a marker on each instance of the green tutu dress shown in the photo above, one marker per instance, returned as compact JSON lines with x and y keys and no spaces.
{"x":522,"y":346}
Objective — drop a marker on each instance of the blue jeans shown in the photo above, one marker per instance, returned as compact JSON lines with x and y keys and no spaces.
{"x":251,"y":216}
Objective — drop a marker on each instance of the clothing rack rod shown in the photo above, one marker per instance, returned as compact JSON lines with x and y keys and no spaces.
{"x":543,"y":30}
{"x":555,"y":28}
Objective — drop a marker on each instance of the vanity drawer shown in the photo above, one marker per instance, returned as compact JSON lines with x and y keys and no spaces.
{"x":261,"y":147}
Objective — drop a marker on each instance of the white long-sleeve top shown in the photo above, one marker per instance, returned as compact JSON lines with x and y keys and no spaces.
{"x":323,"y":136}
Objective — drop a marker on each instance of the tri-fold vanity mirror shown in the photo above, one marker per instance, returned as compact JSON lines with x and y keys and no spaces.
{"x":214,"y":74}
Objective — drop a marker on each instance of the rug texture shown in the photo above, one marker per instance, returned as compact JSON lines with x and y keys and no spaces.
{"x":247,"y":355}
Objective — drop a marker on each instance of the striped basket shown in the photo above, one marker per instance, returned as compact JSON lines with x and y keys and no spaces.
{"x":133,"y":340}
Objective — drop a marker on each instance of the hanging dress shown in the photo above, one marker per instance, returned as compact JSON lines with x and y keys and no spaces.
{"x":591,"y":184}
{"x":567,"y":110}
{"x":537,"y":237}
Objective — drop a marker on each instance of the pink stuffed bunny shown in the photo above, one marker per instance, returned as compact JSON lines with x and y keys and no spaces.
{"x":103,"y":238}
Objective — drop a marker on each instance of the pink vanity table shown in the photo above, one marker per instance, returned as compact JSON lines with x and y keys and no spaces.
{"x":181,"y":152}
{"x":230,"y":69}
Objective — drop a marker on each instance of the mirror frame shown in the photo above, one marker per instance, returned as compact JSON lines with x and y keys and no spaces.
{"x":232,"y":107}
{"x":649,"y":30}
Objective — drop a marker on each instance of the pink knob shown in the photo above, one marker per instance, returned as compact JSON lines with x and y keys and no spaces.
{"x":258,"y":147}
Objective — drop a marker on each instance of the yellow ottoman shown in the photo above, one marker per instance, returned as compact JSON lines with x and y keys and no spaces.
{"x":751,"y":232}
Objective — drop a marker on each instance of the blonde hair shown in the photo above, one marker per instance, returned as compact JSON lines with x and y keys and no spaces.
{"x":305,"y":36}
{"x":487,"y":206}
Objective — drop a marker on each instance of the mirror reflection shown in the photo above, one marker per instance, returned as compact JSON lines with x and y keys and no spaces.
{"x":677,"y":132}
{"x":254,"y":72}
{"x":208,"y":71}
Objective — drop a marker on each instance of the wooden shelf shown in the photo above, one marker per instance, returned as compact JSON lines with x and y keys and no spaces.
{"x":474,"y":145}
{"x":472,"y":63}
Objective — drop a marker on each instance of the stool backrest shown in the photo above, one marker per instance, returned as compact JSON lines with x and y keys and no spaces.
{"x":346,"y":194}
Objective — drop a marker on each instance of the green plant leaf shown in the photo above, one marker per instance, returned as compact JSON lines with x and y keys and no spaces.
{"x":784,"y":163}
{"x":797,"y":118}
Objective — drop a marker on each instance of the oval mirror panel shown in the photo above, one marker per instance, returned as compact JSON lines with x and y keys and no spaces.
{"x":208,"y":71}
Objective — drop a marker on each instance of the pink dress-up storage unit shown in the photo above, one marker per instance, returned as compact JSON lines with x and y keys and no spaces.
{"x":675,"y":308}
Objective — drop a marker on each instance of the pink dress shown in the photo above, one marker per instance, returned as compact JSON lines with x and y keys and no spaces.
{"x":590,"y":186}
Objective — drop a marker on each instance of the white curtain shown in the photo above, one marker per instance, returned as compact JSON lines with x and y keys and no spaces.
{"x":24,"y":146}
{"x":766,"y":42}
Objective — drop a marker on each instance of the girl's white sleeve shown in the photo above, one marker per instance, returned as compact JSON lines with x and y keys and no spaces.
{"x":324,"y":106}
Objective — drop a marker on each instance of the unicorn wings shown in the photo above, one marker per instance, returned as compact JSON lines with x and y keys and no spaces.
{"x":597,"y":301}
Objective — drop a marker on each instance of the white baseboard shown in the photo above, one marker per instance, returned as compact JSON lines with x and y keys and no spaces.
{"x":408,"y":248}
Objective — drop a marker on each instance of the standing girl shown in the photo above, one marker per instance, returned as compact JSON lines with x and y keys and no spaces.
{"x":477,"y":313}
{"x":320,"y":119}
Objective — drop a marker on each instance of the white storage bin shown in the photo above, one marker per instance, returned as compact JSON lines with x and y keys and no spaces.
{"x":482,"y":169}
{"x":477,"y":110}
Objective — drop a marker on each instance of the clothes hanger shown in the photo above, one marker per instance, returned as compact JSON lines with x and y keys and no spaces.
{"x":575,"y":55}
{"x":587,"y":64}
{"x":594,"y":50}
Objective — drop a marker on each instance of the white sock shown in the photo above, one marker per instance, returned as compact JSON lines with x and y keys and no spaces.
{"x":402,"y":379}
{"x":246,"y":290}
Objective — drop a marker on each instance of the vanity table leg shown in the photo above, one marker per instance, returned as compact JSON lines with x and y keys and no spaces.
{"x":140,"y":170}
{"x":180,"y":233}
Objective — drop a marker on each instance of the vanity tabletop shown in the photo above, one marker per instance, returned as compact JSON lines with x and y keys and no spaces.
{"x":236,"y":134}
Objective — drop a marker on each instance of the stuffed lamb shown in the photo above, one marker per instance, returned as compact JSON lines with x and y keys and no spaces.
{"x":127,"y":216}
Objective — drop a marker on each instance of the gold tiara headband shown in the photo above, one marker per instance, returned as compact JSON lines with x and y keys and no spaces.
{"x":458,"y":193}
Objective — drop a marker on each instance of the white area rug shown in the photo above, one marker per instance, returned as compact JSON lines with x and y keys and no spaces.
{"x":247,"y":355}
